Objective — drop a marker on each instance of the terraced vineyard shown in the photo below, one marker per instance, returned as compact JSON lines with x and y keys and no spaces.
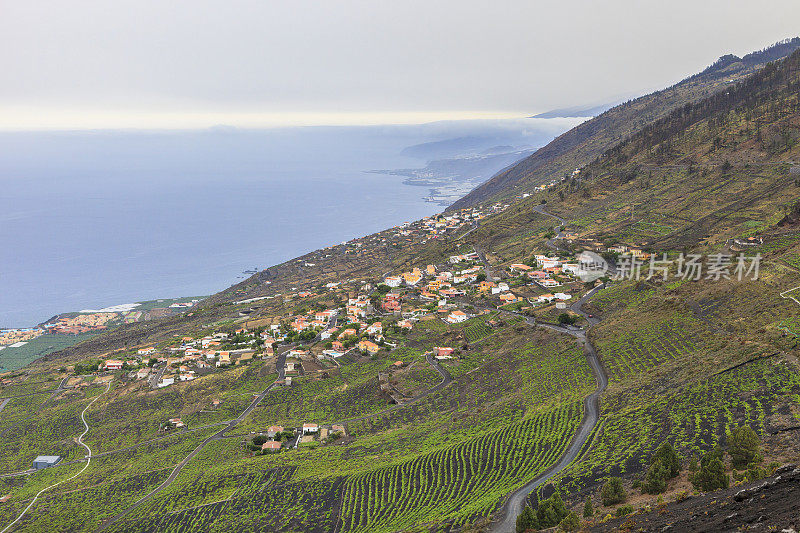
{"x":779,"y":243}
{"x":695,"y":419}
{"x":262,"y":501}
{"x":632,"y":352}
{"x":460,"y":483}
{"x":791,"y":325}
{"x":623,"y":295}
{"x":477,"y":331}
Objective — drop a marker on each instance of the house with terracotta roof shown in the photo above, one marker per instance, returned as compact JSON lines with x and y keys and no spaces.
{"x":457,"y":316}
{"x":271,"y":446}
{"x":369,"y":347}
{"x":486,"y":286}
{"x":509,"y":298}
{"x":113,"y":364}
{"x":310,"y":428}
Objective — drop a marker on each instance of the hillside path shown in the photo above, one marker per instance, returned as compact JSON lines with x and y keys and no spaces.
{"x":78,"y":473}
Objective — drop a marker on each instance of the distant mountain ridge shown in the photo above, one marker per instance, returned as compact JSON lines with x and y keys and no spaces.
{"x":577,"y":111}
{"x":585,"y":142}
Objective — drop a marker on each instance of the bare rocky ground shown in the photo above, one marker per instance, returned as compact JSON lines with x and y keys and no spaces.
{"x":772,"y":504}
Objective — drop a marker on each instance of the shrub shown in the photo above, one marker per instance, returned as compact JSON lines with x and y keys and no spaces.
{"x":551,"y":511}
{"x":665,"y":465}
{"x":571,"y":522}
{"x":588,"y":510}
{"x":711,"y":475}
{"x":613,"y":492}
{"x":624,"y":510}
{"x":527,"y":520}
{"x":655,"y":481}
{"x":743,"y":444}
{"x":669,"y":458}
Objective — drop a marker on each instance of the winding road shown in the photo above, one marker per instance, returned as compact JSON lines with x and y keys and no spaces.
{"x":78,"y":473}
{"x":506,"y":517}
{"x":591,"y":417}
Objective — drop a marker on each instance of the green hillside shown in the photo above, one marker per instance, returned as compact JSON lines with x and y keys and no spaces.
{"x":466,"y":391}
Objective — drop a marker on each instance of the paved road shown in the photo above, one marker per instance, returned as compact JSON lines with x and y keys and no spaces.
{"x":3,"y":403}
{"x":156,"y":378}
{"x":516,"y":501}
{"x":486,"y":266}
{"x":551,"y":243}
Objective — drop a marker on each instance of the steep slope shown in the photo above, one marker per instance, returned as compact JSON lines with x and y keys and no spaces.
{"x":582,"y":144}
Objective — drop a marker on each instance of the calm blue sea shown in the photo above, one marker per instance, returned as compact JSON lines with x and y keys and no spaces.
{"x":92,"y":219}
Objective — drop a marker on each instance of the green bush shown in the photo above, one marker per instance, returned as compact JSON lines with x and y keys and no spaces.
{"x":571,"y":522}
{"x":655,"y":481}
{"x":624,"y":510}
{"x":711,"y":474}
{"x":551,"y":512}
{"x":669,"y":458}
{"x":665,"y":465}
{"x":527,"y":520}
{"x":613,"y":492}
{"x":588,"y":510}
{"x":743,"y":445}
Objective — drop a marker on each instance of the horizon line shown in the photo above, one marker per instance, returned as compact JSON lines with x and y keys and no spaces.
{"x":15,"y":120}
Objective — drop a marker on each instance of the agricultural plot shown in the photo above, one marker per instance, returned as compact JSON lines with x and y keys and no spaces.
{"x":634,"y":351}
{"x":793,"y":260}
{"x":27,"y":387}
{"x":694,"y":420}
{"x":14,"y":358}
{"x":779,"y":243}
{"x":791,"y":325}
{"x":643,"y":229}
{"x":459,"y":484}
{"x":477,"y":331}
{"x":623,"y":295}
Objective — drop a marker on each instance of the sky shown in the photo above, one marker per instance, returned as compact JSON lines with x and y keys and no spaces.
{"x":252,"y":63}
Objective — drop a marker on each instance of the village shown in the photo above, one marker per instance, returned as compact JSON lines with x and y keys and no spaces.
{"x":370,"y":319}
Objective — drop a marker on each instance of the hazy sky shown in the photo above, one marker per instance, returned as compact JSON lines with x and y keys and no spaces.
{"x":171,"y":63}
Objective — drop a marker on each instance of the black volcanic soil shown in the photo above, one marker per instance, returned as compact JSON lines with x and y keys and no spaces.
{"x":772,"y":504}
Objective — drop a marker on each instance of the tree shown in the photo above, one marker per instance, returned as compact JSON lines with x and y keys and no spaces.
{"x":669,"y":458}
{"x":655,"y":481}
{"x":566,"y":318}
{"x":743,"y":446}
{"x":383,"y":288}
{"x":711,"y":475}
{"x":664,"y":465}
{"x":480,"y":277}
{"x":571,"y":522}
{"x":613,"y":492}
{"x":588,"y":510}
{"x":551,"y":511}
{"x":527,"y":520}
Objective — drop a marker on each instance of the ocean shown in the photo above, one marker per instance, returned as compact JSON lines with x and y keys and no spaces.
{"x":97,"y":218}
